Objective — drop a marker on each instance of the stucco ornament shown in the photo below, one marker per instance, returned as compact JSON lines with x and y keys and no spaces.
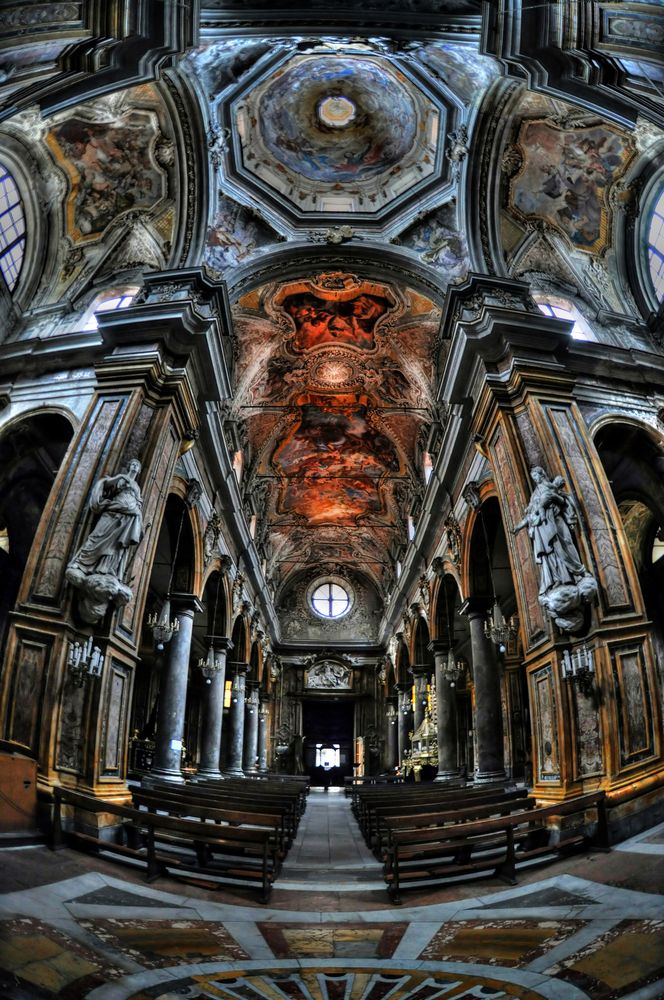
{"x":98,"y":569}
{"x":565,"y":583}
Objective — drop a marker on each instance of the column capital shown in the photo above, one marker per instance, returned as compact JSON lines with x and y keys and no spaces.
{"x":221,"y":643}
{"x":239,"y":667}
{"x":438,"y":646}
{"x":473,"y":607}
{"x":184,"y":603}
{"x":419,"y":669}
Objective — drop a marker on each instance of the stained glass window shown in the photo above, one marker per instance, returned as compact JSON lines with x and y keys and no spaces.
{"x":656,"y":247}
{"x":12,"y":229}
{"x":330,"y":600}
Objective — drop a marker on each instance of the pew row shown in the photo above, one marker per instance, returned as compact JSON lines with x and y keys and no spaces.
{"x":433,"y":854}
{"x":239,"y":852}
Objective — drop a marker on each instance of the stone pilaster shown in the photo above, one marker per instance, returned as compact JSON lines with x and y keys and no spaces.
{"x":263,"y":720}
{"x":391,"y":735}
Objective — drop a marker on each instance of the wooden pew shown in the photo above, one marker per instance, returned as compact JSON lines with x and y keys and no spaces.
{"x":434,"y":854}
{"x":243,"y":855}
{"x":185,"y":803}
{"x":452,"y":810}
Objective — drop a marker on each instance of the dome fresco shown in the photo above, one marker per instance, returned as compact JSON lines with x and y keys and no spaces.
{"x":338,"y":132}
{"x":338,"y":118}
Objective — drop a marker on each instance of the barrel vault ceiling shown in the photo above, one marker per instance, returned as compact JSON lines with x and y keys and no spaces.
{"x":323,"y":142}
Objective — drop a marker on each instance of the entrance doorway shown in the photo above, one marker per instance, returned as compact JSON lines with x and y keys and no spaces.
{"x":328,"y":740}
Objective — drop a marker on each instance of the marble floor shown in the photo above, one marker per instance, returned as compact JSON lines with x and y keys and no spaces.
{"x":74,"y":926}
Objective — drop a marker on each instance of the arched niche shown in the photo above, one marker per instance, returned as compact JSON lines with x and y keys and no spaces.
{"x":420,"y":653}
{"x":31,"y":451}
{"x":241,"y":639}
{"x":633,"y":459}
{"x":402,"y":662}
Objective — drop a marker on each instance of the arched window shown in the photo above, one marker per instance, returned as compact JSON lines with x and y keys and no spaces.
{"x":114,"y":298}
{"x":655,"y":246}
{"x":12,"y":229}
{"x":553,"y":305}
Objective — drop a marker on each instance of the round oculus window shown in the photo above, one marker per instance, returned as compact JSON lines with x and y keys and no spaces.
{"x":330,"y":600}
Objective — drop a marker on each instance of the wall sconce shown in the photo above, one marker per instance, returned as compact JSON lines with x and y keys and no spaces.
{"x":391,"y":715}
{"x":84,"y":660}
{"x":579,"y":666}
{"x":252,"y":701}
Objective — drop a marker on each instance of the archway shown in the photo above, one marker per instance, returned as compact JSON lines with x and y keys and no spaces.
{"x":31,"y":452}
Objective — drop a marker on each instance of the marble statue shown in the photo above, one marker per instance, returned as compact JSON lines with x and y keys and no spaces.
{"x":565,"y":583}
{"x":98,"y":569}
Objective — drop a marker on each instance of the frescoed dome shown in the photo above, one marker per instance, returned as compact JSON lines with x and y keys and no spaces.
{"x":338,"y":133}
{"x":338,"y":118}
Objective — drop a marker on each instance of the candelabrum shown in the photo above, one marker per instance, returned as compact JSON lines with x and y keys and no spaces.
{"x":498,"y":629}
{"x":579,"y":666}
{"x":163,"y":627}
{"x":211,"y":664}
{"x":84,"y":660}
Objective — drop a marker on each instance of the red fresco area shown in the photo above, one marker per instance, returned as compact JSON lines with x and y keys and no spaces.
{"x":335,"y":321}
{"x":333,"y":461}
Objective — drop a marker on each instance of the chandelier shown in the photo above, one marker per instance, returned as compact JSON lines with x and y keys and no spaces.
{"x":162,"y":625}
{"x":452,"y":669}
{"x":496,"y":627}
{"x":213,"y":663}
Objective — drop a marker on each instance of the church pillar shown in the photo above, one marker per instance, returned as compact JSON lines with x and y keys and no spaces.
{"x":234,"y":768}
{"x":532,"y":424}
{"x":490,"y":764}
{"x":251,"y":727}
{"x":405,"y":719}
{"x":213,"y":711}
{"x":142,"y":408}
{"x":446,"y":717}
{"x":391,"y":735}
{"x":173,"y":692}
{"x":263,"y":720}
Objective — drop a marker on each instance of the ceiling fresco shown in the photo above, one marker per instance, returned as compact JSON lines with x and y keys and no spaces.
{"x":115,"y":156}
{"x":565,"y":178}
{"x":338,"y":132}
{"x":334,"y":407}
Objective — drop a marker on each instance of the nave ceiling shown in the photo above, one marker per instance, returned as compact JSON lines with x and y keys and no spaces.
{"x":303,"y":160}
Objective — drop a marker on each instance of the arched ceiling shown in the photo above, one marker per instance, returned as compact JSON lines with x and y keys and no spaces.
{"x":335,"y":387}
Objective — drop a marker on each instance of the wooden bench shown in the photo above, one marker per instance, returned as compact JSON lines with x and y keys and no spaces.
{"x":453,"y":811}
{"x":369,"y":808}
{"x":434,"y":854}
{"x":242,"y":855}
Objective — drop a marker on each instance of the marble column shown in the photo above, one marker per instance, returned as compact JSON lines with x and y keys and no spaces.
{"x":488,"y":723}
{"x":405,"y":723}
{"x":420,"y":674}
{"x":263,"y":718}
{"x":173,"y":692}
{"x":391,"y":736}
{"x":234,"y":768}
{"x":446,"y":716}
{"x":250,"y":742}
{"x":213,"y":710}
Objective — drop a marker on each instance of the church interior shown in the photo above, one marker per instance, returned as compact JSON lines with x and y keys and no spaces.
{"x":332,"y":499}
